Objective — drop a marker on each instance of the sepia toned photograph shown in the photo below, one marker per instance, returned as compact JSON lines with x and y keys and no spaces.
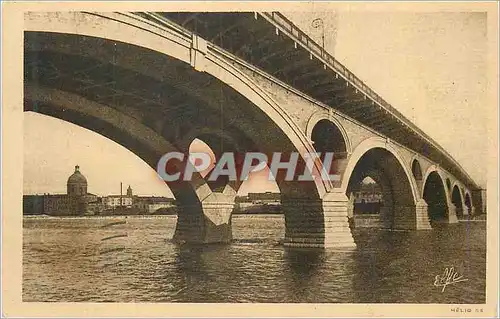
{"x":321,"y":155}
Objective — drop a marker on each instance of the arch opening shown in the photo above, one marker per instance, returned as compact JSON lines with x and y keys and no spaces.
{"x":416,"y":169}
{"x":435,"y":197}
{"x":392,"y":191}
{"x":366,"y":203}
{"x":198,"y":145}
{"x":213,"y":147}
{"x":327,"y":137}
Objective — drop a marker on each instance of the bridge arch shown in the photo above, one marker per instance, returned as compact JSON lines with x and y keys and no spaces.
{"x":372,"y":143}
{"x":381,"y":161}
{"x":111,"y":28}
{"x":121,"y":128}
{"x":416,"y":170}
{"x":328,"y":136}
{"x":458,"y":201}
{"x":167,"y":57}
{"x":437,"y":196}
{"x":324,"y":115}
{"x":216,"y":139}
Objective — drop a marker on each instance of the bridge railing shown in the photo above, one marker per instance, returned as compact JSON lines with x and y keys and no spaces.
{"x":305,"y":40}
{"x":308,"y":43}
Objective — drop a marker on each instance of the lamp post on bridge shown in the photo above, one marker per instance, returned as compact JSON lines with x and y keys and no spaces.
{"x":318,"y":23}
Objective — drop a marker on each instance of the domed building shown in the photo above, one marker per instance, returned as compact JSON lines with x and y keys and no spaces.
{"x":76,"y":201}
{"x":77,"y":183}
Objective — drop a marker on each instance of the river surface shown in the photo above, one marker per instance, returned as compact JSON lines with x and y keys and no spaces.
{"x":74,"y":259}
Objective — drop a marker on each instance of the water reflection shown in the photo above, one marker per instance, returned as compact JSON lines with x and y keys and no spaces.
{"x":303,"y":268}
{"x":62,"y":263}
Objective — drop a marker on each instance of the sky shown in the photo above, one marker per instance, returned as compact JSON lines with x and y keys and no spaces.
{"x":430,"y":66}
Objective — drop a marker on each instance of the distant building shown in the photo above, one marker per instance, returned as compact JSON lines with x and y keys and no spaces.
{"x":61,"y":204}
{"x":368,"y":193}
{"x":33,"y":204}
{"x":95,"y":207}
{"x":268,"y":198}
{"x":152,"y":204}
{"x":76,"y":201}
{"x":259,"y":203}
{"x":77,"y":184}
{"x":112,"y":201}
{"x":368,"y":200}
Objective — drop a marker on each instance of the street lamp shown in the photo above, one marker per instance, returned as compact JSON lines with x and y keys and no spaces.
{"x":318,"y":23}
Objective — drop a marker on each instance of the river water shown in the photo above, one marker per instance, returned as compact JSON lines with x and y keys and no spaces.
{"x":74,"y":259}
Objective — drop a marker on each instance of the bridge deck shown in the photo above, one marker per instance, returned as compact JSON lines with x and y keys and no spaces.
{"x":275,"y":45}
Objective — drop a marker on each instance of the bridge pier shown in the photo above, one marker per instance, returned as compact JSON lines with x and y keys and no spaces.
{"x":317,"y":223}
{"x":460,"y":212}
{"x":411,"y":217}
{"x":211,"y":225}
{"x":452,"y":214}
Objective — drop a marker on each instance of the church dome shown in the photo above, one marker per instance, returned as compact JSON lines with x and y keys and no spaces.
{"x":77,"y":183}
{"x":77,"y":177}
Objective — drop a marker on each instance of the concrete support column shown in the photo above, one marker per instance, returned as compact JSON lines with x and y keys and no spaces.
{"x":465,"y":211}
{"x":212,"y":225}
{"x":422,"y":220}
{"x":452,"y":214}
{"x":411,"y":217}
{"x":350,"y":206}
{"x":317,"y":223}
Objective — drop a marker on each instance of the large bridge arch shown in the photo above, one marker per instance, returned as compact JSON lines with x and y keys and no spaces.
{"x":105,"y":38}
{"x":114,"y":27}
{"x":437,"y":194}
{"x":119,"y":127}
{"x":403,"y":209}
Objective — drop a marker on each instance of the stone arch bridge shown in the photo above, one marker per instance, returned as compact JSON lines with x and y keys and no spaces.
{"x":153,"y":82}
